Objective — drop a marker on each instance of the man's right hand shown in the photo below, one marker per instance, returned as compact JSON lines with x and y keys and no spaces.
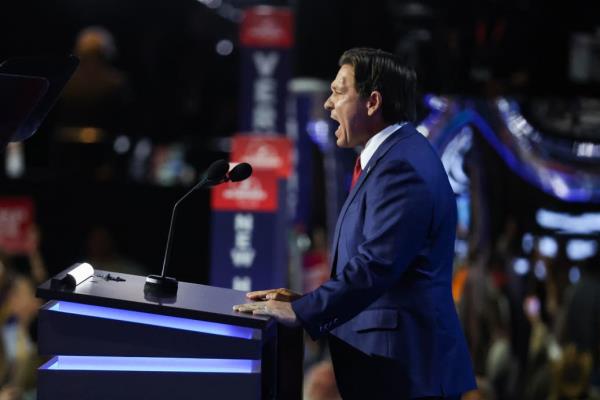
{"x":280,"y":294}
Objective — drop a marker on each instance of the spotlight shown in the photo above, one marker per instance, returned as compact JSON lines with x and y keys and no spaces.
{"x":521,"y":266}
{"x":574,"y":275}
{"x":547,"y":246}
{"x":224,"y":47}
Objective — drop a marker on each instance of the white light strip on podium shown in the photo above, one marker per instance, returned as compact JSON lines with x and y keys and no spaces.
{"x":152,"y":364}
{"x":166,"y":321}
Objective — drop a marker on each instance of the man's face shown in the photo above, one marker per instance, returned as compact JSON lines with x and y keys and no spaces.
{"x":348,"y":109}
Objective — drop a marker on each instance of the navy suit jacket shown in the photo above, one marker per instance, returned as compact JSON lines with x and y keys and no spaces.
{"x":390,"y":293}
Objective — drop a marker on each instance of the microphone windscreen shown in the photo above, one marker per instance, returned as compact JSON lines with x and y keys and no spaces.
{"x":240,"y":172}
{"x":217,"y":170}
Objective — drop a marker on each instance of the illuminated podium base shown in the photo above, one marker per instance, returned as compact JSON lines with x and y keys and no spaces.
{"x":108,"y":340}
{"x":64,"y":378}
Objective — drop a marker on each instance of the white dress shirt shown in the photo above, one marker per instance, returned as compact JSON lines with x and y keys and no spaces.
{"x":375,"y":141}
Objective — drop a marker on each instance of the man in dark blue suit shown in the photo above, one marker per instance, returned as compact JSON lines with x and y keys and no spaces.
{"x":387,"y":309}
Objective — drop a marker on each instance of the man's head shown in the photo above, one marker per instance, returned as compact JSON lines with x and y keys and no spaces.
{"x":371,"y":90}
{"x":95,"y":42}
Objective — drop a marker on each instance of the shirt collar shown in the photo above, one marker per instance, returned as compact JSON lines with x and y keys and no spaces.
{"x":375,"y":141}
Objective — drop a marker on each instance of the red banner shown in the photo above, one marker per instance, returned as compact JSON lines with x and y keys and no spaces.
{"x":257,"y":193}
{"x":266,"y":26}
{"x":16,"y":219}
{"x":264,"y":153}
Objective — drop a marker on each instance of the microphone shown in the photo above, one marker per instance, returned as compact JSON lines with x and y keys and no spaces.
{"x":214,"y":175}
{"x":239,"y":172}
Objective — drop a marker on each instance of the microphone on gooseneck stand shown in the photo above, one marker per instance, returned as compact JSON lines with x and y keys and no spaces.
{"x":215,"y":174}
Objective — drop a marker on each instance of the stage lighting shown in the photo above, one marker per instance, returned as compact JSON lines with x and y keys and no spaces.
{"x":574,"y":274}
{"x":547,"y":246}
{"x":521,"y":266}
{"x":579,"y":249}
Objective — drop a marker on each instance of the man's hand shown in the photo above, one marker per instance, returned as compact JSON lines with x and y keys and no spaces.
{"x":280,"y":310}
{"x":280,"y":294}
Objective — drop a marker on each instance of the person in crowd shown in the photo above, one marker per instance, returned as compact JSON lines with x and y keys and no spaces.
{"x":570,"y":378}
{"x":387,"y":309}
{"x":98,"y":94}
{"x":319,"y":382}
{"x":485,"y":314}
{"x":581,"y":325}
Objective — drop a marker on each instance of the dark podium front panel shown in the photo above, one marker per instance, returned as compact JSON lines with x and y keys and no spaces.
{"x":109,"y":340}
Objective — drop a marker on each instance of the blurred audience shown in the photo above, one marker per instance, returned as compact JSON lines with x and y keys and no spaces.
{"x":570,"y":376}
{"x":582,"y":318}
{"x":18,"y":351}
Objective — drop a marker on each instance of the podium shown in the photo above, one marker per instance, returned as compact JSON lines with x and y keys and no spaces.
{"x":107,"y":339}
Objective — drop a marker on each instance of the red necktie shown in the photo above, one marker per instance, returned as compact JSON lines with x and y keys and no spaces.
{"x":356,"y":173}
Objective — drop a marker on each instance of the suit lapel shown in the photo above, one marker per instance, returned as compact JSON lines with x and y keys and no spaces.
{"x":394,"y":138}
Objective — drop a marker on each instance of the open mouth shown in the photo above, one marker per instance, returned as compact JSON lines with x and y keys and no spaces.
{"x":338,"y":130}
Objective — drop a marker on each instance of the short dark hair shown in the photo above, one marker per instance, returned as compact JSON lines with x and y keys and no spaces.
{"x":379,"y":70}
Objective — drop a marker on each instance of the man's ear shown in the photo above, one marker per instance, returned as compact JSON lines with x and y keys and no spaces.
{"x":374,"y":103}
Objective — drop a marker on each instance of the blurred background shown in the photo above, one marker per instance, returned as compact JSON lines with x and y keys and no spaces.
{"x":510,"y":100}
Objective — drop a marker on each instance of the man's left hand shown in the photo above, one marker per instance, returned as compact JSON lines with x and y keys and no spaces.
{"x":280,"y":310}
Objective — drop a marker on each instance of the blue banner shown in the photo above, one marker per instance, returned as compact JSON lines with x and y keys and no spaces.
{"x":266,"y":39}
